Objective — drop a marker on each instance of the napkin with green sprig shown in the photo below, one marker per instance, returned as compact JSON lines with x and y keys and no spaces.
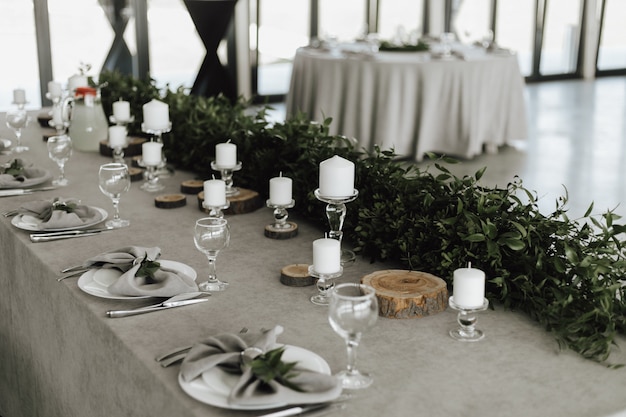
{"x":265,"y":379}
{"x":147,"y":276}
{"x":16,"y":174}
{"x":59,"y":213}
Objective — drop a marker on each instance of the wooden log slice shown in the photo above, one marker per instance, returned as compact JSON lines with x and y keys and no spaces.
{"x":282,"y":233}
{"x":136,"y":174}
{"x":246,"y":201}
{"x":407,"y":294}
{"x":191,"y":186}
{"x":133,"y":148}
{"x":296,"y":275}
{"x":169,"y":201}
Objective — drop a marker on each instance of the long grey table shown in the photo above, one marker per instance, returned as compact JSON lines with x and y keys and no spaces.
{"x":61,"y":356}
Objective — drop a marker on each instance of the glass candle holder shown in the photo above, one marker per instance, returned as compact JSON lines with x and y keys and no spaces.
{"x":325,"y":283}
{"x":467,"y":331}
{"x":336,"y":213}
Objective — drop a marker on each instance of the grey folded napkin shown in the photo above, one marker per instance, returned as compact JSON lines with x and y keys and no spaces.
{"x":122,"y":258}
{"x":225,"y":351}
{"x":162,"y":282}
{"x":24,"y":179}
{"x":142,"y":273}
{"x":59,"y":214}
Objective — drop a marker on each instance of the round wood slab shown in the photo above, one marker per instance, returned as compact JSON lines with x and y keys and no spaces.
{"x":296,"y":275}
{"x":407,"y":294}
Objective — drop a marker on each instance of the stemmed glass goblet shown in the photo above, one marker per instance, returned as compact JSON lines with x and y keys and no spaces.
{"x":114,"y":180}
{"x":60,"y":151}
{"x":17,"y":120}
{"x":211,"y":234}
{"x":353,"y":309}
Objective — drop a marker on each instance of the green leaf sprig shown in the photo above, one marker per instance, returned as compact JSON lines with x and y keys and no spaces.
{"x":564,"y":273}
{"x":148,"y":268}
{"x":269,"y":366}
{"x":15,"y":168}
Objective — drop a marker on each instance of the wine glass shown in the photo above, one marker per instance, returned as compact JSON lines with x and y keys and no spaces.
{"x":353,"y":309}
{"x":114,"y":180}
{"x":60,"y":151}
{"x":17,"y":120}
{"x":211,"y":235}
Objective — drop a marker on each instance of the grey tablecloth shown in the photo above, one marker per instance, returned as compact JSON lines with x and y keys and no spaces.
{"x":412,"y":102}
{"x":61,"y":356}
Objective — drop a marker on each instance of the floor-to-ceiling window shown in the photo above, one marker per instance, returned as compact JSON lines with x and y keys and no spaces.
{"x":612,"y":40}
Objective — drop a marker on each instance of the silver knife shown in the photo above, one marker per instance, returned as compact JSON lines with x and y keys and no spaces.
{"x":21,"y":191}
{"x":47,"y":237}
{"x":124,"y":313}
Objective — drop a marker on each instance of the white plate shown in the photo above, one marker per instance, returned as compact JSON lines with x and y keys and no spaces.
{"x":96,"y":281}
{"x":33,"y":224}
{"x":44,"y":175}
{"x":214,"y":385}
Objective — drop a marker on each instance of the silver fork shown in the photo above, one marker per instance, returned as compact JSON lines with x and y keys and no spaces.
{"x":179,"y":353}
{"x":10,"y":213}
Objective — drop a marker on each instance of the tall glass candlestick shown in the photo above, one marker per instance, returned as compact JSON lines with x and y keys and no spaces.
{"x":227,"y":176}
{"x":336,"y":213}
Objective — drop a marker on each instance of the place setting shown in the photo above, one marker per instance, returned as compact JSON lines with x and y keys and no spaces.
{"x":136,"y":273}
{"x":16,"y":176}
{"x":253,"y":371}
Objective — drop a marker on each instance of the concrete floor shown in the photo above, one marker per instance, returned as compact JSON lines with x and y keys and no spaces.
{"x":577,"y":142}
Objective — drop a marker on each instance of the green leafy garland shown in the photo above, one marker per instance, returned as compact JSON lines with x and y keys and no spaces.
{"x":564,"y":273}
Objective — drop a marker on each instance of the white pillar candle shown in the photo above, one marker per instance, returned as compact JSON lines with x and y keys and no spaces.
{"x":76,"y":81}
{"x":336,"y":177}
{"x":151,"y":153}
{"x":326,"y":256}
{"x":280,"y":191}
{"x":156,"y":115}
{"x":226,"y":155}
{"x":121,"y":110}
{"x":214,"y":193}
{"x":19,"y":96}
{"x":54,"y":89}
{"x":117,"y":136}
{"x":468,"y":288}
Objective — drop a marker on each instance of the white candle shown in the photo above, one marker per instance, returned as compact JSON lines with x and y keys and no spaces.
{"x":214,"y":193}
{"x":156,"y":115}
{"x":226,"y":155}
{"x":336,"y":177}
{"x":76,"y":81}
{"x":151,"y":153}
{"x":54,"y":89}
{"x":468,"y":287}
{"x":326,"y":256}
{"x":121,"y":110}
{"x":280,"y":191}
{"x":19,"y":96}
{"x":117,"y":136}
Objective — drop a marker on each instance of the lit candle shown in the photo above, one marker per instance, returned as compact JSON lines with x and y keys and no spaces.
{"x":468,"y":287}
{"x":54,"y":89}
{"x":214,"y":193}
{"x":336,"y":177}
{"x":121,"y":110}
{"x":117,"y":136}
{"x":156,"y":115}
{"x":280,"y":190}
{"x":19,"y":96}
{"x":226,"y":155}
{"x":151,"y":153}
{"x":326,"y":256}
